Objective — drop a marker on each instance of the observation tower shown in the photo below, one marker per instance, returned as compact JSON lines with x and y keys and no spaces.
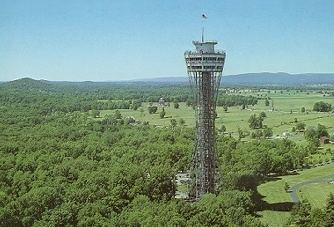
{"x":204,"y":67}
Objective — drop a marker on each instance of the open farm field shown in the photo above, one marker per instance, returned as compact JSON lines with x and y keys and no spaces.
{"x":283,"y":113}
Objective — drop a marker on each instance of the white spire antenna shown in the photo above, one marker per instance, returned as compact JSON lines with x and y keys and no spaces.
{"x":203,"y":34}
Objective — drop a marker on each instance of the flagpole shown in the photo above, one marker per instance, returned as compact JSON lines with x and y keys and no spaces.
{"x":203,"y":18}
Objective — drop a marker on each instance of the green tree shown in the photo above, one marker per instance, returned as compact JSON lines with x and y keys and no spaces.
{"x":286,"y":186}
{"x":311,"y":134}
{"x":222,"y":129}
{"x":173,"y":123}
{"x":240,"y":134}
{"x":182,"y":122}
{"x":255,"y":122}
{"x":322,"y":107}
{"x":162,"y":113}
{"x":95,"y":113}
{"x":263,"y":114}
{"x":330,"y":210}
{"x":176,"y":105}
{"x":318,"y":218}
{"x":267,"y":132}
{"x":267,"y":102}
{"x":144,"y":212}
{"x":257,"y":134}
{"x":234,"y":204}
{"x":300,"y":126}
{"x":152,"y":109}
{"x":141,"y":110}
{"x":117,"y":115}
{"x":135,"y":104}
{"x":322,"y":131}
{"x":129,"y":120}
{"x":301,"y":215}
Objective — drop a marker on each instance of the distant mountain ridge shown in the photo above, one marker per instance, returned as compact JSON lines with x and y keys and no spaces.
{"x":28,"y":84}
{"x":246,"y":79}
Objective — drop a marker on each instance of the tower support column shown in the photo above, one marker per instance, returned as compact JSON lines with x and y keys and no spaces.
{"x":205,"y":165}
{"x":205,"y":66}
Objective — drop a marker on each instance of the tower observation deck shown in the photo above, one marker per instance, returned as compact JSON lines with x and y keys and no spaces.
{"x":205,"y":67}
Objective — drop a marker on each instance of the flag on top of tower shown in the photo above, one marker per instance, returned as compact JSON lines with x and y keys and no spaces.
{"x":204,"y":16}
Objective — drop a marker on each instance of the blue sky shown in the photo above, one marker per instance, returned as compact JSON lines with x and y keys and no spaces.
{"x":118,"y":40}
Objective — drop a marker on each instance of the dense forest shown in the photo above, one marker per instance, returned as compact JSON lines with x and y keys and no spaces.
{"x":59,"y":166}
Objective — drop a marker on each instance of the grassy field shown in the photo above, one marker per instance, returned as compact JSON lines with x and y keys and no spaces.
{"x":274,"y":193}
{"x":287,"y":108}
{"x":322,"y":191}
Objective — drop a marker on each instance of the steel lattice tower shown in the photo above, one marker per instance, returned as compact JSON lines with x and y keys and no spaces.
{"x":205,"y":67}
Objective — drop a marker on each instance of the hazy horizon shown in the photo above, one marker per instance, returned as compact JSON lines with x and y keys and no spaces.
{"x":168,"y":77}
{"x":128,"y":40}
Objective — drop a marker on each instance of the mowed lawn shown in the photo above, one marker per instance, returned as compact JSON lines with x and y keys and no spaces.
{"x":274,"y":193}
{"x":319,"y":198}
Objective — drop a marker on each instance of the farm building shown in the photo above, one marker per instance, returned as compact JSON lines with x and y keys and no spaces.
{"x":324,"y":140}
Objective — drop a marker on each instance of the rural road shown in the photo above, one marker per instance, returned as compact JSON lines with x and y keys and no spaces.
{"x":294,"y":188}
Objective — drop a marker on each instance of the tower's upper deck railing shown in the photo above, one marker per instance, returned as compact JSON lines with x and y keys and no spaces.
{"x":206,"y":41}
{"x":194,"y":52}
